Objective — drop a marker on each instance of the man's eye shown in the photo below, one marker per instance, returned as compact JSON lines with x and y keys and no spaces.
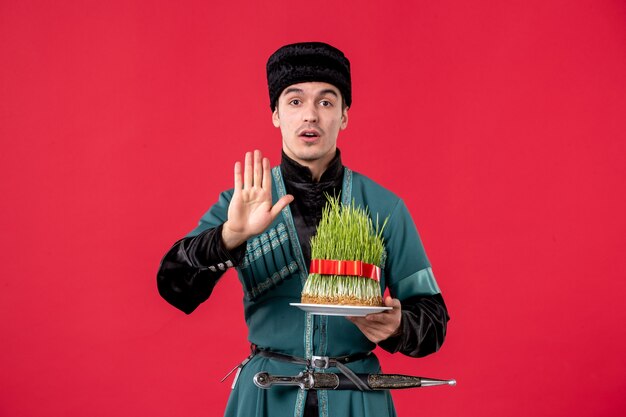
{"x":325,"y":103}
{"x":295,"y":102}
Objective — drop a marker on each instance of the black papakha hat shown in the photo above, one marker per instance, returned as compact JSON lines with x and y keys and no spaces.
{"x":307,"y":62}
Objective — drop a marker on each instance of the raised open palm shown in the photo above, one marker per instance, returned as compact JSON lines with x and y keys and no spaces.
{"x":251,"y":211}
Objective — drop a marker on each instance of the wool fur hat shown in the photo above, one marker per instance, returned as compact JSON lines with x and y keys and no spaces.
{"x":308,"y":62}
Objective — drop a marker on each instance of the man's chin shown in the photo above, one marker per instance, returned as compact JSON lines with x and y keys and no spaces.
{"x":308,"y":158}
{"x":313,"y":155}
{"x":308,"y":152}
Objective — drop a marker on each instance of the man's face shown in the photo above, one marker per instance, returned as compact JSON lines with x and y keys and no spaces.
{"x":310,"y":116}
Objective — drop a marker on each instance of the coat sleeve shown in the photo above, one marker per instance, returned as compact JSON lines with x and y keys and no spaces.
{"x":191,"y":268}
{"x":423,"y":327}
{"x":411,"y":280}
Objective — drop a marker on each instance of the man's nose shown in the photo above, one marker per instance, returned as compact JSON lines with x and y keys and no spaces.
{"x":310,"y":113}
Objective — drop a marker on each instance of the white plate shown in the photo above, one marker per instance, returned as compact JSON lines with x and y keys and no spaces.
{"x":339,"y":310}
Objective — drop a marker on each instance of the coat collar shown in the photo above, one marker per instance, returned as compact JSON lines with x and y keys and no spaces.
{"x":294,"y":172}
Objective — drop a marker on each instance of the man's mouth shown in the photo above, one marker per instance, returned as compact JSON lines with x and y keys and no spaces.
{"x":309,"y":135}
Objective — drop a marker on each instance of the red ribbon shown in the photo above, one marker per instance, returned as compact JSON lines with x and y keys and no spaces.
{"x":346,"y":268}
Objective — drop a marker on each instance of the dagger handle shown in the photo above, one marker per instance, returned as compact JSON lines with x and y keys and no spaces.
{"x":265,"y":380}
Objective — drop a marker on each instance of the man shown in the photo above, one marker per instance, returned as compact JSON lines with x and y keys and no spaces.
{"x":263,"y":228}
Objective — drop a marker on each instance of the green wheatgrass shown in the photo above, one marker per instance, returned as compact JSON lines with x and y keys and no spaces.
{"x":346,"y":232}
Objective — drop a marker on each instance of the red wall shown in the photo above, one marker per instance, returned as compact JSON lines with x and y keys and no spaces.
{"x":501,"y":124}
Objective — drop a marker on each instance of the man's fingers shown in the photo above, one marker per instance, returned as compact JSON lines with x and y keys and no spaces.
{"x":281,"y":204}
{"x":381,"y":318}
{"x":387,"y":315}
{"x":247,"y":171}
{"x":392,"y":302}
{"x":380,"y":326}
{"x":267,"y":176}
{"x":258,"y":168}
{"x":368,"y":321}
{"x":371,"y":330}
{"x":238,"y":181}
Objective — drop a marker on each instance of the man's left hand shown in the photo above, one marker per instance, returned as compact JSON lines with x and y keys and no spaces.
{"x":380,"y":326}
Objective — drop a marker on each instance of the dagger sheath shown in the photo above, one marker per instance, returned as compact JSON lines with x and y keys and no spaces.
{"x":331,"y":381}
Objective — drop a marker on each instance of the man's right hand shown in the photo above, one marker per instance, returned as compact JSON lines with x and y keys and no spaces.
{"x":250,"y":211}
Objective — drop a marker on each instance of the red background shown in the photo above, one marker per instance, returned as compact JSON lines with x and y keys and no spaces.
{"x":501,"y":124}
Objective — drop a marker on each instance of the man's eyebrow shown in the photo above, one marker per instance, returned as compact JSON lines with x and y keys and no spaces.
{"x":300,"y":91}
{"x":293,"y":90}
{"x":329,"y":91}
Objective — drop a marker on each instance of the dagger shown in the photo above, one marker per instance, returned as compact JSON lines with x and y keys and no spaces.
{"x":317,"y":380}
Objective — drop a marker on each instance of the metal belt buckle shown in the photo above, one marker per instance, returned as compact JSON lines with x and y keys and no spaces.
{"x":325,"y":362}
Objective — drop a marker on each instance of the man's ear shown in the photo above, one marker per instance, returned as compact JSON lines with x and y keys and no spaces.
{"x":344,"y":118}
{"x":275,"y":118}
